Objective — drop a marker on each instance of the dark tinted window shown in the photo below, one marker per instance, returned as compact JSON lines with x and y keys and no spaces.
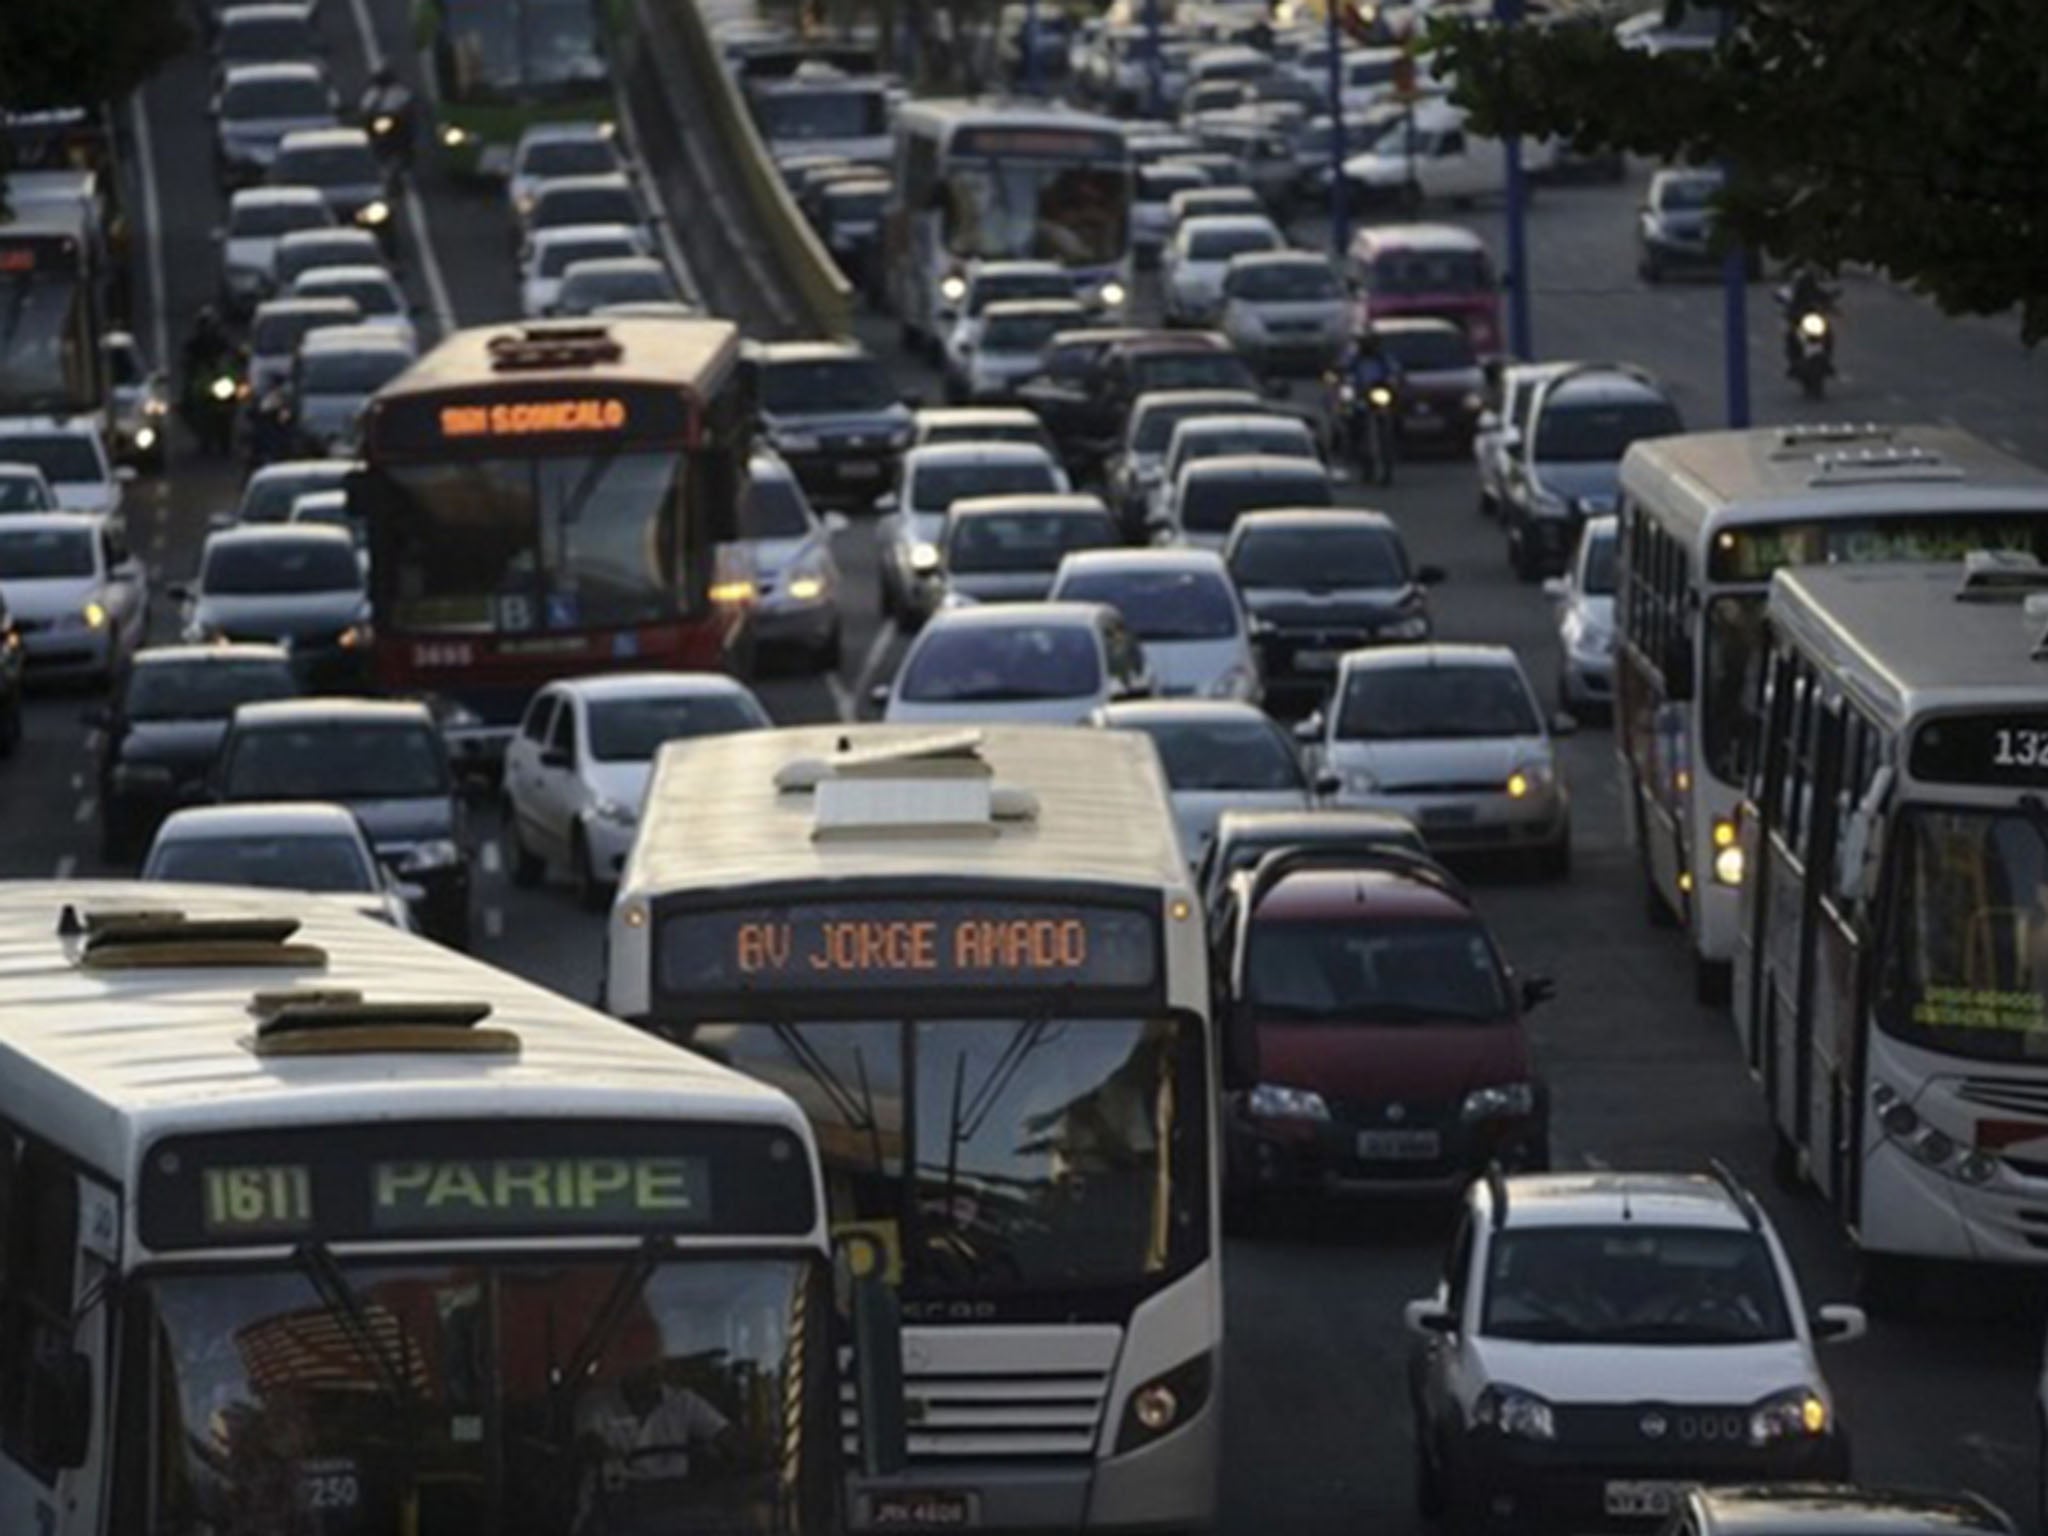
{"x":277,"y":334}
{"x":1023,"y":333}
{"x":1207,"y":369}
{"x":29,"y":554}
{"x":203,"y":690}
{"x":773,"y":508}
{"x":1211,"y":503}
{"x":1160,"y":605}
{"x":254,"y":220}
{"x":1599,"y":575}
{"x":617,"y":285}
{"x":988,"y":663}
{"x":281,"y":565}
{"x":568,"y":157}
{"x":330,"y":165}
{"x":826,"y":384}
{"x":558,"y":256}
{"x":1319,"y":557}
{"x":1600,"y":434}
{"x":1225,"y":754}
{"x":276,"y":98}
{"x":1027,"y":541}
{"x":1380,"y":973}
{"x":1222,"y":244}
{"x":1155,"y":427}
{"x":61,"y":456}
{"x":1400,"y":703}
{"x":938,"y":486}
{"x":629,"y":730}
{"x":341,"y":760}
{"x":1298,"y":281}
{"x":270,"y":499}
{"x":585,"y":205}
{"x":1431,"y":350}
{"x":374,"y":295}
{"x":284,"y":863}
{"x":1432,"y":272}
{"x":1688,"y":193}
{"x":1631,"y":1284}
{"x":24,"y":493}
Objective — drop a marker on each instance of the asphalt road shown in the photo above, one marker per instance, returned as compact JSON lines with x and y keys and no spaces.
{"x":1642,"y":1076}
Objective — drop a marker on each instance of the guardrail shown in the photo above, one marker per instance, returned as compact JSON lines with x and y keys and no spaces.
{"x":814,"y":296}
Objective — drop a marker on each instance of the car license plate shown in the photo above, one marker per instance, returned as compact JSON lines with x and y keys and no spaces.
{"x":857,"y":470}
{"x":1641,"y":1498}
{"x":1399,"y":1146}
{"x":1447,"y":815}
{"x":921,"y":1509}
{"x":1316,"y":661}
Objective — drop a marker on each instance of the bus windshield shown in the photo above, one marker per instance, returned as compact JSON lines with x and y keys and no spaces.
{"x":46,"y":342}
{"x":490,"y":49}
{"x":562,"y":543}
{"x":1966,"y":952}
{"x":1047,"y":209}
{"x":451,"y":1397}
{"x":1001,"y":1154}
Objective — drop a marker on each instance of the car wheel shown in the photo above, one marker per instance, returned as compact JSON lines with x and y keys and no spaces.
{"x":528,"y":867}
{"x":593,"y":893}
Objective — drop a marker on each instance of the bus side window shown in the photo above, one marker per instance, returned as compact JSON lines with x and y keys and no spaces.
{"x":36,"y":1293}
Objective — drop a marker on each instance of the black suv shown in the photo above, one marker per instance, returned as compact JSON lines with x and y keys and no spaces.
{"x":163,"y":730}
{"x":832,"y":413}
{"x":387,"y":762}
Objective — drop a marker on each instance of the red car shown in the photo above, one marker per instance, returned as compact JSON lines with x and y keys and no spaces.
{"x":1376,"y":1033}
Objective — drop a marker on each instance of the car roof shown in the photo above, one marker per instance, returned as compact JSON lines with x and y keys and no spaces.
{"x":1175,"y":558}
{"x":1603,"y":1197}
{"x":281,"y":468}
{"x":276,"y":533}
{"x":1133,"y":713}
{"x":1413,"y":325}
{"x":1287,"y":258}
{"x":346,"y":272}
{"x":1066,"y":615}
{"x":1003,"y":308}
{"x":289,"y":194}
{"x":1381,"y":238}
{"x":348,"y":234}
{"x":1370,"y":891}
{"x":1153,"y":342}
{"x":1254,"y":466}
{"x":1048,"y":503}
{"x":185,"y":655}
{"x":641,"y":685}
{"x":338,"y":136}
{"x":978,"y":415}
{"x":974,"y":453}
{"x":282,"y":713}
{"x":1321,"y":822}
{"x":14,"y":471}
{"x":1179,"y":399}
{"x":52,"y":522}
{"x":1222,"y":424}
{"x":352,"y":338}
{"x":276,"y":69}
{"x":41,"y":426}
{"x":807,"y":351}
{"x":309,"y":304}
{"x":1795,"y":1509}
{"x":569,"y":234}
{"x":573,"y":129}
{"x":596,"y":179}
{"x":1602,"y":384}
{"x":267,"y":10}
{"x":1001,"y":269}
{"x":1351,"y":518}
{"x":1211,"y":223}
{"x":604,"y":266}
{"x":1431,"y":654}
{"x":258,"y":818}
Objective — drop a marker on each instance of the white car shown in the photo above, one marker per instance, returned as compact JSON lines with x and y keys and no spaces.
{"x":271,"y":492}
{"x":1181,"y":605}
{"x":1151,"y":204}
{"x":1191,"y":271}
{"x":978,"y":424}
{"x":1016,"y":664}
{"x":23,"y":489}
{"x":788,"y":549}
{"x":1219,"y":756}
{"x":1137,"y":466}
{"x":1010,"y":346}
{"x":72,"y":455}
{"x":576,"y":771}
{"x":290,"y":845}
{"x":257,"y":105}
{"x":554,"y":251}
{"x":550,"y":150}
{"x":258,"y":217}
{"x":933,"y":479}
{"x":1007,"y":549}
{"x":990,"y":283}
{"x":1584,"y":595}
{"x":1432,"y":154}
{"x":594,"y":283}
{"x":1498,"y":434}
{"x":1200,"y":438}
{"x":1450,"y":736}
{"x":275,"y":331}
{"x":560,"y":201}
{"x":376,"y":292}
{"x":1649,"y":1326}
{"x":1285,"y":311}
{"x":335,"y":373}
{"x":78,"y":598}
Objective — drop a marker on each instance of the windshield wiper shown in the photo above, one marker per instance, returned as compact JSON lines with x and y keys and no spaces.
{"x":340,"y":1299}
{"x":611,"y":1315}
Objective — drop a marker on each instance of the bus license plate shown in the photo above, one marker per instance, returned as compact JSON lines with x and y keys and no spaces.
{"x":1641,"y":1499}
{"x":922,"y":1509}
{"x":1399,"y":1146}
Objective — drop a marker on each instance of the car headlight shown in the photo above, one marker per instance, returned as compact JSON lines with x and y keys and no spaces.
{"x":156,"y":407}
{"x":796,"y":442}
{"x":924,"y":557}
{"x":1503,"y":1101}
{"x":145,"y":438}
{"x":1111,"y":294}
{"x":1590,"y":642}
{"x":222,"y":388}
{"x":953,"y":289}
{"x":1272,"y":1101}
{"x":91,"y":615}
{"x":1798,"y":1414}
{"x":614,"y":812}
{"x":1239,"y":682}
{"x":439,"y":853}
{"x":454,"y":137}
{"x":1813,"y":325}
{"x":806,"y":589}
{"x":522,"y":205}
{"x":374,"y":214}
{"x":383,"y":123}
{"x":1516,"y":1414}
{"x":1530,"y":779}
{"x":1413,"y":626}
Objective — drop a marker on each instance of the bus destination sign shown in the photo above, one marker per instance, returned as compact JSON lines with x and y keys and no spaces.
{"x":1997,"y":751}
{"x":534,"y":418}
{"x":1050,"y":142}
{"x":895,"y":944}
{"x":1750,"y":552}
{"x":525,"y":416}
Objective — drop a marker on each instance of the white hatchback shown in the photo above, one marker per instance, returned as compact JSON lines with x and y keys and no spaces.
{"x":1016,"y":664}
{"x":292,"y":845}
{"x":73,"y":458}
{"x":1184,"y":609}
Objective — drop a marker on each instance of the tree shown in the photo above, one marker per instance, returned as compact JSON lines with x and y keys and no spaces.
{"x":61,"y":53}
{"x":1903,"y":134}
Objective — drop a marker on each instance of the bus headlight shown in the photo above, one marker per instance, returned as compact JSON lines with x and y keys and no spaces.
{"x":1728,"y":866}
{"x":1165,"y":1403}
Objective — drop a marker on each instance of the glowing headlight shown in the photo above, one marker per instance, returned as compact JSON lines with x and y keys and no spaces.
{"x":1529,"y":779}
{"x":145,"y":438}
{"x":1792,"y":1415}
{"x":383,"y":123}
{"x":807,"y":589}
{"x":953,"y":289}
{"x":354,"y":638}
{"x":454,"y":137}
{"x":222,"y":388}
{"x":1380,"y":396}
{"x":1728,"y":866}
{"x":737,"y":591}
{"x":1813,"y":325}
{"x":924,"y":557}
{"x":373,"y":213}
{"x":1113,"y":294}
{"x":95,"y":616}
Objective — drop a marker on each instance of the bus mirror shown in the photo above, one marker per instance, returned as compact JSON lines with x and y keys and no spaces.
{"x":60,"y":1409}
{"x":877,"y":1353}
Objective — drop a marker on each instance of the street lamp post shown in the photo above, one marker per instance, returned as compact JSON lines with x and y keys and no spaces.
{"x":1340,"y":195}
{"x":1508,"y":13}
{"x":1155,"y":63}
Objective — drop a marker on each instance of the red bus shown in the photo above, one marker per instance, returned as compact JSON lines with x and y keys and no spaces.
{"x":549,"y":500}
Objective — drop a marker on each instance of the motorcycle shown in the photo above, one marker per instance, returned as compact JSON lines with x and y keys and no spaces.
{"x":389,"y":125}
{"x":1368,"y":430}
{"x":213,"y":399}
{"x":1809,"y":346}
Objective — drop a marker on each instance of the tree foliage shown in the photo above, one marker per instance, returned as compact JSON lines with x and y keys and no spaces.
{"x":60,"y":53}
{"x":1904,"y":134}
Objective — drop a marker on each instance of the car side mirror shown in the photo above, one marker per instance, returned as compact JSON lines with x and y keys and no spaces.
{"x":1556,"y":588}
{"x":1564,"y":723}
{"x":1537,"y":990}
{"x":1309,"y":729}
{"x":1428,"y":1318}
{"x":1488,"y":421}
{"x":180,"y":591}
{"x":1838,"y":1323}
{"x":886,"y":502}
{"x":878,"y":697}
{"x":555,"y":757}
{"x":835,"y":523}
{"x":1432,"y":575}
{"x":1328,"y":783}
{"x":60,"y":1409}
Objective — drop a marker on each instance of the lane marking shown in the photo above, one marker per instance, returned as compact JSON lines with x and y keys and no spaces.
{"x":494,"y":923}
{"x":152,"y":215}
{"x":490,"y":857}
{"x":77,"y":783}
{"x":67,"y":866}
{"x":842,"y":696}
{"x":84,"y":812}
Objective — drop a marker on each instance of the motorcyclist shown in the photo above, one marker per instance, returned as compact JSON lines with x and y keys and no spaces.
{"x":207,"y":347}
{"x":1366,"y":366}
{"x":1807,"y":294}
{"x":387,"y":97}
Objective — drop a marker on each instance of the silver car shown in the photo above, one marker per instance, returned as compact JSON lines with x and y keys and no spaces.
{"x":1451,"y":736}
{"x":788,"y":550}
{"x":295,"y":845}
{"x":913,"y":518}
{"x":1584,"y":595}
{"x":1285,"y":310}
{"x":1181,"y":605}
{"x":337,"y":370}
{"x":258,"y":218}
{"x":258,"y":104}
{"x":1219,"y":756}
{"x":1017,"y":664}
{"x":79,"y":599}
{"x":1007,"y":549}
{"x":277,"y":328}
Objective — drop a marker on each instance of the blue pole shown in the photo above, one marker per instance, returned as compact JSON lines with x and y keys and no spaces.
{"x":1030,"y":47}
{"x":1340,"y":197}
{"x":1734,"y":303}
{"x":1509,"y":13}
{"x":1155,"y":63}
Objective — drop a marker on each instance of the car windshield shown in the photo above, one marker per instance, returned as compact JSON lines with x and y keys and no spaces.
{"x":1598,"y":577}
{"x":372,"y":295}
{"x":269,"y":498}
{"x":341,"y":759}
{"x":1291,"y":281}
{"x":1249,"y":755}
{"x":332,"y":248}
{"x":1025,"y":541}
{"x":817,"y":112}
{"x":1599,"y":434}
{"x":1212,"y":503}
{"x":825,"y":385}
{"x":245,"y":39}
{"x":528,"y":1395}
{"x":584,"y":291}
{"x":292,"y":99}
{"x":1632,"y":1283}
{"x":1160,"y":605}
{"x":630,"y":730}
{"x":63,"y":457}
{"x":1209,"y":368}
{"x":350,"y":373}
{"x":1408,"y":702}
{"x":1319,"y":559}
{"x":1222,"y":244}
{"x":561,"y":206}
{"x":1687,"y":193}
{"x":1153,"y":432}
{"x":1277,"y":439}
{"x":278,"y":333}
{"x":280,"y":564}
{"x":1157,"y":183}
{"x":31,"y":554}
{"x":773,"y":508}
{"x":265,"y":859}
{"x":266,"y":219}
{"x":328,"y":166}
{"x":991,"y":663}
{"x":558,"y":256}
{"x":24,"y":493}
{"x":203,"y":690}
{"x":1003,"y":287}
{"x":1429,"y":349}
{"x":935,"y":487}
{"x":1351,"y":972}
{"x":981,"y":432}
{"x":569,"y":157}
{"x":1024,"y":333}
{"x":1411,"y":272}
{"x":1965,"y":962}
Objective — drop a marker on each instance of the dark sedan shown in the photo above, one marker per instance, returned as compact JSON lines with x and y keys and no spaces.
{"x":1442,"y":385}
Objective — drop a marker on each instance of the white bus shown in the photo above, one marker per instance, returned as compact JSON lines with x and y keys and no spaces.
{"x":977,"y":181}
{"x":1705,"y":519}
{"x":1891,"y":982}
{"x":976,"y":960}
{"x":311,"y":1225}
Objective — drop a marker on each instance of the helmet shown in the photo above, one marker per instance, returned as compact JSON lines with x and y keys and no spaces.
{"x":384,"y":75}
